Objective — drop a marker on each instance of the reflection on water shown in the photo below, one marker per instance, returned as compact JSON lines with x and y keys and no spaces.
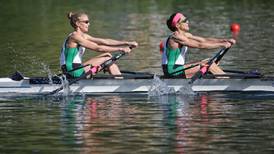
{"x":204,"y":123}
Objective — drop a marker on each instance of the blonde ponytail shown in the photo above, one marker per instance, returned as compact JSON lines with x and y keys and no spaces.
{"x":74,"y":17}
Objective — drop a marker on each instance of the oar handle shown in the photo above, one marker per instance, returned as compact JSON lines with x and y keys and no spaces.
{"x":205,"y":68}
{"x":184,"y":69}
{"x":213,"y":59}
{"x":77,"y":68}
{"x":112,"y":60}
{"x":222,"y":55}
{"x":107,"y":63}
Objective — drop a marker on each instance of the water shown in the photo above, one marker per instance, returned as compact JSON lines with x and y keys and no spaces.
{"x":33,"y":32}
{"x":37,"y":33}
{"x":159,"y":88}
{"x":205,"y":123}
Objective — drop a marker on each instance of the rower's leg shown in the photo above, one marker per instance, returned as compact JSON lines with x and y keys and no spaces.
{"x":215,"y":69}
{"x":190,"y":72}
{"x":114,"y":70}
{"x":98,"y":60}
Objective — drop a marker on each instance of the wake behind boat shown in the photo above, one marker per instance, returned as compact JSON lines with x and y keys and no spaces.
{"x":136,"y":82}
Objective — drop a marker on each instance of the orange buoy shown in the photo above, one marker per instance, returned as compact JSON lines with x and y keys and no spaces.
{"x":235,"y":28}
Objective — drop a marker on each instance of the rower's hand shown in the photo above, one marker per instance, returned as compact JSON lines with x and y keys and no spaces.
{"x":232,"y":41}
{"x":227,"y":44}
{"x":126,"y":49}
{"x":132,"y":44}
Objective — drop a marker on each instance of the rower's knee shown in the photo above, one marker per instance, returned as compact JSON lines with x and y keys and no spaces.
{"x":114,"y":69}
{"x":215,"y":69}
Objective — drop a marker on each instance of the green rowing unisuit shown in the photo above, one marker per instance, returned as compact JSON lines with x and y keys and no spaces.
{"x":70,"y":55}
{"x":172,"y":56}
{"x":71,"y":58}
{"x":173,"y":60}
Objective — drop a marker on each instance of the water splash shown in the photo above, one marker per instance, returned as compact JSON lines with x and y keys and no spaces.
{"x":48,"y":71}
{"x":159,"y":88}
{"x":65,"y":84}
{"x":186,"y":90}
{"x":64,"y":81}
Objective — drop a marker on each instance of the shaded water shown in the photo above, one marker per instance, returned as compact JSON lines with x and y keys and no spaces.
{"x":33,"y":31}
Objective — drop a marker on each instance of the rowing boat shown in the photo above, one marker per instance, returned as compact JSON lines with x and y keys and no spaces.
{"x":137,"y":83}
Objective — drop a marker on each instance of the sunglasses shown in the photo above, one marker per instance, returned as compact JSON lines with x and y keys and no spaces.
{"x":85,"y":21}
{"x":185,"y":20}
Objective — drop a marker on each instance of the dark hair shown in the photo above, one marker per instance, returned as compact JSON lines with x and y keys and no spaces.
{"x":74,"y":17}
{"x":169,"y":22}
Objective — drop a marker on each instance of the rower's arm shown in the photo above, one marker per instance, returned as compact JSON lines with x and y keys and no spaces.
{"x":111,"y":42}
{"x":213,"y":40}
{"x":97,"y":47}
{"x":198,"y":42}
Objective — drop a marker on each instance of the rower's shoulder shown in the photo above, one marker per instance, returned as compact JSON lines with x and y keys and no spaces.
{"x":176,"y":36}
{"x":182,"y":35}
{"x":79,"y":36}
{"x":75,"y":34}
{"x":188,"y":34}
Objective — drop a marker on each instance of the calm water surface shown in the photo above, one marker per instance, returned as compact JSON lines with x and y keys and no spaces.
{"x":32,"y":33}
{"x":204,"y":123}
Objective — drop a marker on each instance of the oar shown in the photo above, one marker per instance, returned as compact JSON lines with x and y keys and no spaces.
{"x":94,"y":69}
{"x":135,"y":73}
{"x":205,"y":68}
{"x":184,"y":69}
{"x":17,"y":76}
{"x":83,"y":66}
{"x":221,"y":56}
{"x":112,"y":60}
{"x":77,"y":68}
{"x":251,"y":72}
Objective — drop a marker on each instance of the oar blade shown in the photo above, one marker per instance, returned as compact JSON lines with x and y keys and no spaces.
{"x":17,"y":76}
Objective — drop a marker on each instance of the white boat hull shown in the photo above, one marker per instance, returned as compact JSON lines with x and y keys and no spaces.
{"x":93,"y":86}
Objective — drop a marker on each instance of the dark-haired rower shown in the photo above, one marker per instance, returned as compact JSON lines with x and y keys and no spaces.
{"x":175,"y":48}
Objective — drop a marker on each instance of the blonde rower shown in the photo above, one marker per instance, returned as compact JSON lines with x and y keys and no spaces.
{"x":77,"y":41}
